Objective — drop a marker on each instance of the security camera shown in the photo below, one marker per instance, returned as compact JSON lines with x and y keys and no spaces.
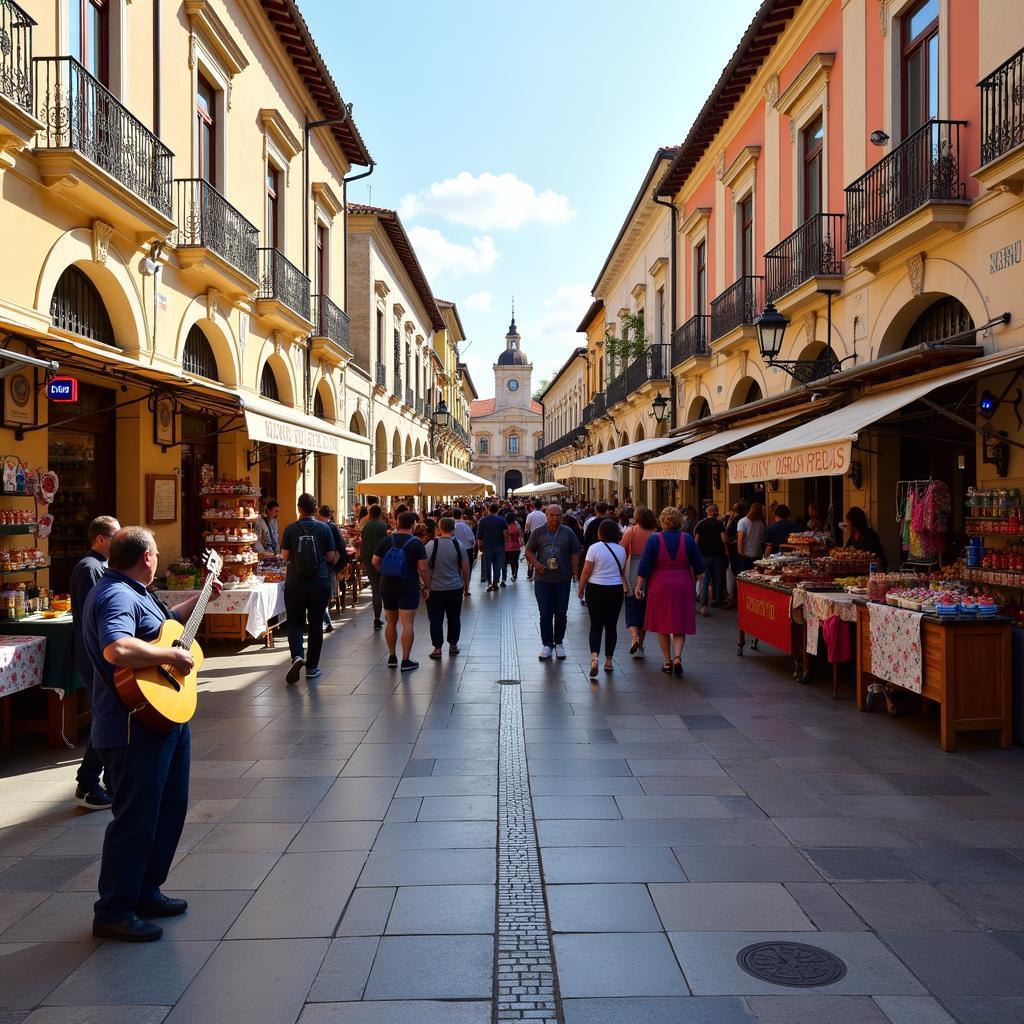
{"x":148,"y":267}
{"x":878,"y":137}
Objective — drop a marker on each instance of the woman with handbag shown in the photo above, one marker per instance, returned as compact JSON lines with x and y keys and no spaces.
{"x":634,"y":541}
{"x":603,"y":584}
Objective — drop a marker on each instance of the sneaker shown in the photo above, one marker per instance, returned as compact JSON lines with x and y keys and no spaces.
{"x":503,"y":584}
{"x":377,"y":624}
{"x":559,"y":652}
{"x":313,"y":673}
{"x":97,"y":799}
{"x":545,"y":653}
{"x":392,"y":661}
{"x":408,"y":665}
{"x":293,"y":672}
{"x":328,"y":626}
{"x":131,"y":929}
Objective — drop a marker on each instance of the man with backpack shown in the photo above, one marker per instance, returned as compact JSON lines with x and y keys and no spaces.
{"x":339,"y":572}
{"x":401,"y":561}
{"x":309,"y":547}
{"x":448,"y":565}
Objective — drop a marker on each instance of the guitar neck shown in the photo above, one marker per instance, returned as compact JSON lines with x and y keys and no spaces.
{"x":194,"y":620}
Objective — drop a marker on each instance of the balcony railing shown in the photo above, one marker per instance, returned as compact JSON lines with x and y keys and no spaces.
{"x":419,"y":407}
{"x":409,"y":400}
{"x":691,"y":339}
{"x":396,"y":383}
{"x":283,"y":282}
{"x":651,"y":366}
{"x":16,"y":54}
{"x":1002,"y":109}
{"x":616,"y":391}
{"x":461,"y":432}
{"x":381,"y":371}
{"x":332,"y":322}
{"x":923,"y":169}
{"x":565,"y":441}
{"x":739,"y":304}
{"x":80,"y":113}
{"x":207,"y":220}
{"x":813,"y":250}
{"x":597,"y":406}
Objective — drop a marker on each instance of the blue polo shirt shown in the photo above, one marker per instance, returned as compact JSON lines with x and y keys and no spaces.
{"x":490,"y":531}
{"x":117,"y":607}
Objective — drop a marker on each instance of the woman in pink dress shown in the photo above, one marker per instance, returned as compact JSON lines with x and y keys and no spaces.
{"x":667,"y":576}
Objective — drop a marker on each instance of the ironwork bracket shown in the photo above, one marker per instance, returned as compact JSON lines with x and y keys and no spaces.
{"x":807,"y":370}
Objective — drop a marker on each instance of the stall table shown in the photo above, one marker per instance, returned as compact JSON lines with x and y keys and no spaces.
{"x":965,"y":667}
{"x":21,"y":667}
{"x":764,"y":610}
{"x":815,"y":608}
{"x":237,"y":613}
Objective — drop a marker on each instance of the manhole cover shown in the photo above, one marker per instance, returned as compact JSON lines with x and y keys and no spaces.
{"x":791,"y":963}
{"x":508,"y":682}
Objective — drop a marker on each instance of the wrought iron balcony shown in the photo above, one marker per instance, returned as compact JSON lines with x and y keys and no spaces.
{"x":206,"y":220}
{"x":381,"y":378}
{"x":461,"y":432}
{"x":420,"y":408}
{"x":923,"y":169}
{"x":16,"y":54}
{"x":597,"y":406}
{"x":1002,"y":109}
{"x":332,"y":322}
{"x":282,"y":281}
{"x":80,"y":114}
{"x":813,"y":250}
{"x":616,"y":391}
{"x":565,"y":441}
{"x":409,"y":400}
{"x":396,"y":384}
{"x":651,"y":366}
{"x":691,"y":339}
{"x":738,"y":305}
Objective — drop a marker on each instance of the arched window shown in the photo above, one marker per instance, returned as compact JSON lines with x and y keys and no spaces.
{"x":76,"y":306}
{"x":198,"y":357}
{"x":941,"y":321}
{"x":318,"y":406}
{"x":268,"y":384}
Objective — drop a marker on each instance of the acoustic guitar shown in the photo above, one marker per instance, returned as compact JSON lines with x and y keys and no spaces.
{"x":159,"y":696}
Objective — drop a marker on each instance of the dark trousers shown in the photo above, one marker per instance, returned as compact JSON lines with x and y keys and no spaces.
{"x":305,"y":604}
{"x":90,"y":769}
{"x":604,"y":603}
{"x":553,"y":605}
{"x":440,"y":605}
{"x":713,"y":579}
{"x":494,"y":558}
{"x":150,"y":777}
{"x":511,"y":562}
{"x":378,"y":605}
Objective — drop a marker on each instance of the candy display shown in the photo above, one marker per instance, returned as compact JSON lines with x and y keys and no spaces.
{"x":230,"y":505}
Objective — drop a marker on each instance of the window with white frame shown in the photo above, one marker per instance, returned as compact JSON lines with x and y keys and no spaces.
{"x":513,"y":444}
{"x":485,"y":446}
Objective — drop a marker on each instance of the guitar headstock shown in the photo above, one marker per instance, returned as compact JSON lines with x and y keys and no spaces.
{"x":213,"y":562}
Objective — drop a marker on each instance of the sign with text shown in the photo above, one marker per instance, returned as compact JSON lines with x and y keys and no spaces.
{"x":289,"y":435}
{"x":1004,"y":257}
{"x":62,"y":389}
{"x":831,"y":458}
{"x":764,"y":613}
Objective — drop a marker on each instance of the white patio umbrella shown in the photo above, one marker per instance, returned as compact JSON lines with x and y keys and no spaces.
{"x":423,"y":476}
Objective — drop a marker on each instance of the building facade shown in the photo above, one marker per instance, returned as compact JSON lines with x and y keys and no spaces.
{"x":507,"y":429}
{"x":453,"y":443}
{"x":171,"y":261}
{"x":563,"y":401}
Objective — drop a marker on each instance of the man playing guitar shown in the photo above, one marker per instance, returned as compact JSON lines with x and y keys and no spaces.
{"x":149,"y":770}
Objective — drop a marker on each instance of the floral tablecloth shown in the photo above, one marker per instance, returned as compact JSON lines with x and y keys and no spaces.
{"x":21,"y":662}
{"x":258,"y":604}
{"x":896,"y":645}
{"x":820,"y":606}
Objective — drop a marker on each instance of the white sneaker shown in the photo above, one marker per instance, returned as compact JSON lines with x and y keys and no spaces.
{"x":559,"y":652}
{"x":545,"y":653}
{"x":641,"y":653}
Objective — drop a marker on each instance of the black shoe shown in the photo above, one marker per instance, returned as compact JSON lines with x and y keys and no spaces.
{"x":392,"y":661}
{"x":162,"y":906}
{"x":503,"y":584}
{"x":130,"y":929}
{"x":328,"y":627}
{"x":377,"y":624}
{"x":95,"y":799}
{"x":292,"y":675}
{"x":408,"y":665}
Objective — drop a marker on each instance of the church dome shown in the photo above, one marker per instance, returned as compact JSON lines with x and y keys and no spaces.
{"x":513,"y":354}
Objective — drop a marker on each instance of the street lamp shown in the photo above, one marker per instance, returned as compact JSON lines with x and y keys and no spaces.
{"x":579,"y":439}
{"x":771,"y":326}
{"x":659,"y":407}
{"x":442,"y":417}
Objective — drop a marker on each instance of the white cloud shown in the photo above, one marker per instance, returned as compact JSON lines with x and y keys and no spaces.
{"x":549,"y":339}
{"x":440,"y":256}
{"x":487,"y":202}
{"x":479,"y":302}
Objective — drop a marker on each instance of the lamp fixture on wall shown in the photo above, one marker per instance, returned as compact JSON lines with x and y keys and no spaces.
{"x":659,"y":407}
{"x":878,"y":137}
{"x":771,"y":329}
{"x":856,"y":473}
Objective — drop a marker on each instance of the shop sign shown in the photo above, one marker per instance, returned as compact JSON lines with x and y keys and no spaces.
{"x":829,"y":459}
{"x":1005,"y":257}
{"x":289,"y":435}
{"x":764,"y":613}
{"x":62,"y":389}
{"x":20,"y":398}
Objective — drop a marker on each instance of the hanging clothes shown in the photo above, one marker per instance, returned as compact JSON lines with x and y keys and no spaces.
{"x":931,"y":518}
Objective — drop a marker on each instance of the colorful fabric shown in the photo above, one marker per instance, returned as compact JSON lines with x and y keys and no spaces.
{"x":671,"y":594}
{"x":896,"y":645}
{"x":817,"y":608}
{"x":837,"y":639}
{"x":21,"y":662}
{"x":930,"y":517}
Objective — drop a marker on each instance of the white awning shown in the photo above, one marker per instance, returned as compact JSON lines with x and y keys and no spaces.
{"x":271,"y":423}
{"x":602,"y":465}
{"x":823,"y":447}
{"x":675,"y":465}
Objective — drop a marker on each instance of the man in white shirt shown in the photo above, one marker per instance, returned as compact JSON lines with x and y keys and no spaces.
{"x":464,"y":535}
{"x":534,"y":521}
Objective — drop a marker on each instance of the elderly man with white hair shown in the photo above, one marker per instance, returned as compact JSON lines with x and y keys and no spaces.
{"x":553,"y":552}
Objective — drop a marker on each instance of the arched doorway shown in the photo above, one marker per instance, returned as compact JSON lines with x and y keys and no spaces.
{"x":396,"y":450}
{"x":513,"y":481}
{"x":380,"y":449}
{"x":357,"y":424}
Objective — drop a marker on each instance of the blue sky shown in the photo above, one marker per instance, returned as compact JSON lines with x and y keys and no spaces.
{"x":513,"y":138}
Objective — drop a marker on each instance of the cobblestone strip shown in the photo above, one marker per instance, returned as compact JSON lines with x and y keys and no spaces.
{"x":525,"y":984}
{"x":509,"y":654}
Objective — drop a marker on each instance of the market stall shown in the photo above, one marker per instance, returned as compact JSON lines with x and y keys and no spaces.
{"x":21,"y":668}
{"x":239,"y":612}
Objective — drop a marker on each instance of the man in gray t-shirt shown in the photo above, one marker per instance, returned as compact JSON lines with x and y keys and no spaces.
{"x":554,"y":554}
{"x":448,"y":568}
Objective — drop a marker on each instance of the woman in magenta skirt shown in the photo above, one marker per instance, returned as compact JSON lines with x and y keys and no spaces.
{"x":668,"y":574}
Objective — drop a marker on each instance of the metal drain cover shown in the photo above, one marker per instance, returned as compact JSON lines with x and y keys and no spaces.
{"x":508,"y":682}
{"x":791,"y":963}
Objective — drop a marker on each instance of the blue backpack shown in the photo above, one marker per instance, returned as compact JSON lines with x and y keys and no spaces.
{"x":394,"y":563}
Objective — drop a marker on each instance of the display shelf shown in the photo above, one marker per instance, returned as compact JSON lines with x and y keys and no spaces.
{"x":17,"y":529}
{"x":996,"y":578}
{"x":26,"y":571}
{"x":230,"y":519}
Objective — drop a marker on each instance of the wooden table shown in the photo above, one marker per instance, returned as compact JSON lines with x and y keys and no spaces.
{"x":966,"y":670}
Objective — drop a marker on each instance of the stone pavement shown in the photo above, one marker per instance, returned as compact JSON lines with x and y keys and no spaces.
{"x":360,"y":849}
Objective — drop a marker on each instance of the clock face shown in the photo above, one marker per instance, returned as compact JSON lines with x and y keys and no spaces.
{"x":513,"y":385}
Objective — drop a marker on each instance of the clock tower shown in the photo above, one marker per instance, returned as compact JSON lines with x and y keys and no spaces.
{"x":513,"y":373}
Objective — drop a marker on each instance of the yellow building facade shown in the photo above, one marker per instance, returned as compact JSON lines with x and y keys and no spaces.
{"x":180,"y":226}
{"x":452,"y":440}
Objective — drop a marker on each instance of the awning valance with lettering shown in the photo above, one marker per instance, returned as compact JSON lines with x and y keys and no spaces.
{"x":271,"y":423}
{"x":603,"y":465}
{"x":823,"y":447}
{"x":675,"y":465}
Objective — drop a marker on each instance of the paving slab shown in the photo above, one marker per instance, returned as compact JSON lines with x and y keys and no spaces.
{"x":432,"y":967}
{"x":610,"y":864}
{"x":904,"y":906}
{"x":29,"y":971}
{"x":442,"y":910}
{"x":617,"y":964}
{"x":658,"y":1010}
{"x":727,"y":907}
{"x":602,"y":908}
{"x":413,"y":1011}
{"x":745,"y":864}
{"x":343,"y":974}
{"x":817,"y":1009}
{"x":960,"y":963}
{"x":913,"y":1010}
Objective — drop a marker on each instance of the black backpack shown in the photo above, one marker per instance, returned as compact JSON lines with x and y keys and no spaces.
{"x":306,"y":557}
{"x":458,"y":553}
